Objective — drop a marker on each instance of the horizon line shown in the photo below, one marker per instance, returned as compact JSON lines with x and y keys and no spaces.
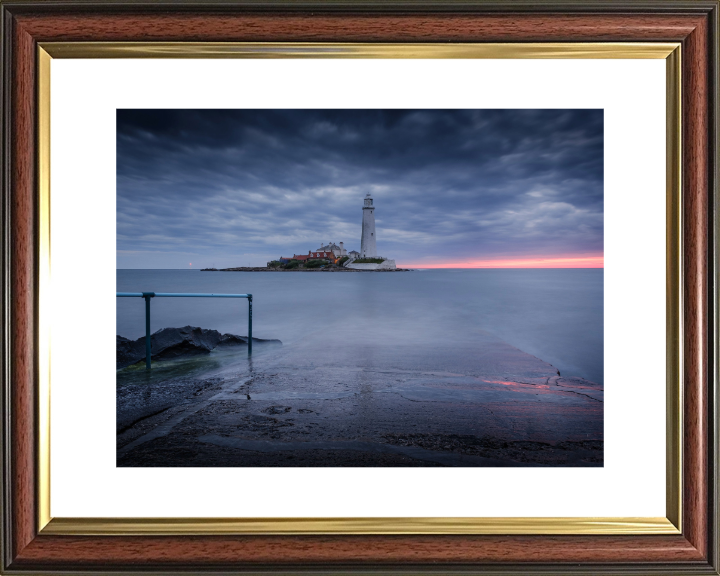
{"x":426,"y":267}
{"x":585,"y":261}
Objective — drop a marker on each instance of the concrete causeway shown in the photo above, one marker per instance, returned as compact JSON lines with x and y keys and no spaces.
{"x":479,"y":403}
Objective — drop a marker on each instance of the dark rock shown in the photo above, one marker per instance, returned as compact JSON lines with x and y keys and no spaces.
{"x":129,"y":351}
{"x":186,"y":341}
{"x":173,"y":342}
{"x":233,"y":340}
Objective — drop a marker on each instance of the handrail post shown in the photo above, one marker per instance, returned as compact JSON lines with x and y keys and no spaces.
{"x":249,"y":324}
{"x":148,"y":346}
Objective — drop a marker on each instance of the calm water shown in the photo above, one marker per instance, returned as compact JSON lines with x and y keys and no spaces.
{"x":556,"y":315}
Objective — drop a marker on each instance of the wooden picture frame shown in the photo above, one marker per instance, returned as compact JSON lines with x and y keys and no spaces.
{"x":33,"y":544}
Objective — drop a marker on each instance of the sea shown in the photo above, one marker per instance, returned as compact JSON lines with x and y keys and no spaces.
{"x":553,"y":314}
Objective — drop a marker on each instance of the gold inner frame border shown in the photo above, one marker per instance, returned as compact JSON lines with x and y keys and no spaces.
{"x":671,"y":524}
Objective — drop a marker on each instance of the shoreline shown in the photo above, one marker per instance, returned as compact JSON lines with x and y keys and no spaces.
{"x":265,"y":269}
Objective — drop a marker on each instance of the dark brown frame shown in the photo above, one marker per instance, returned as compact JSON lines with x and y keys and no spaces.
{"x":694,"y":23}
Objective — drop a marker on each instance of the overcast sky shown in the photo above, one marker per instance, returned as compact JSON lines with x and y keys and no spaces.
{"x":471,"y":188}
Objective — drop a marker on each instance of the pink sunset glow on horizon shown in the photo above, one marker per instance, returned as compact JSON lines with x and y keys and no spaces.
{"x":582,"y":261}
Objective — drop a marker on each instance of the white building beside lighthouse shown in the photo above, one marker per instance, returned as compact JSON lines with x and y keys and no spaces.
{"x":368,"y":248}
{"x":339,"y":251}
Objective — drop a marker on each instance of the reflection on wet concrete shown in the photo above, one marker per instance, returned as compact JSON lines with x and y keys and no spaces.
{"x":471,"y":402}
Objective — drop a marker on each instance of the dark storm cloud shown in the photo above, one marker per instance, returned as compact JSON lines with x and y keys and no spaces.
{"x":238,"y":187}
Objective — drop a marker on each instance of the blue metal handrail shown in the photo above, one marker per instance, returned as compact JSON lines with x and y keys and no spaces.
{"x":148,"y":295}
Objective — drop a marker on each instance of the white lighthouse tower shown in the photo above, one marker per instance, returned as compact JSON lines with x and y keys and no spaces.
{"x":367,"y":241}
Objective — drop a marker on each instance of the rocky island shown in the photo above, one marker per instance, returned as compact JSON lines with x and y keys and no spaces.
{"x":323,"y":268}
{"x":332,"y":257}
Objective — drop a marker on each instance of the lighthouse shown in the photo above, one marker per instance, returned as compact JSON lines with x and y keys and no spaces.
{"x":367,"y":241}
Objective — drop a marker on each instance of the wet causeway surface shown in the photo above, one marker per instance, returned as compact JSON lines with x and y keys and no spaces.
{"x":460,"y":404}
{"x":479,"y":403}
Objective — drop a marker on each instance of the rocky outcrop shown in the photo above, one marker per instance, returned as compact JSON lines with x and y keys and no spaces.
{"x":129,"y":351}
{"x":387,"y":266}
{"x":174,"y":342}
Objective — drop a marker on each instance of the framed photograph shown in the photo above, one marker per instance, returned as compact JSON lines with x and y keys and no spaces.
{"x":295,"y":287}
{"x":439,"y":388}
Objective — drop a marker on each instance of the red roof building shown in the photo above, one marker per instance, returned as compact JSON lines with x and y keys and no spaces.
{"x":311,"y":256}
{"x":323,"y":255}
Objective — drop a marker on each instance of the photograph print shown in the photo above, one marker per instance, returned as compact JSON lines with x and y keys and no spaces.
{"x":359,"y":288}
